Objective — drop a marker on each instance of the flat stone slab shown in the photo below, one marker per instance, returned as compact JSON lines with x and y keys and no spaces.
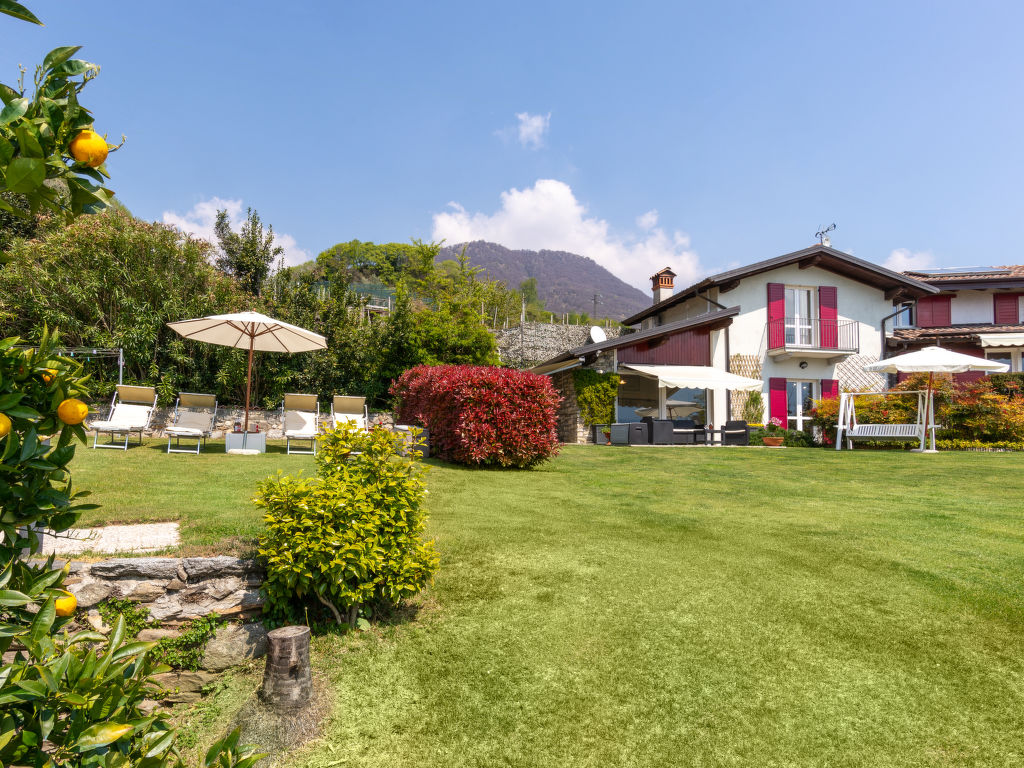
{"x":149,"y":537}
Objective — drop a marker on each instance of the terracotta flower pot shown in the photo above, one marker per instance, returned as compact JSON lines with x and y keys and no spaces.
{"x":774,"y":442}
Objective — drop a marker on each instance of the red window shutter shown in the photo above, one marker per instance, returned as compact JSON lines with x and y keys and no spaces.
{"x":776,"y":315}
{"x":777,"y":407}
{"x":1005,"y":308}
{"x":829,"y":389}
{"x":828,"y":317}
{"x":933,"y":311}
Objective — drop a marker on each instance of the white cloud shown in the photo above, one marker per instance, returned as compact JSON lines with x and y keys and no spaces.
{"x":200,"y":220}
{"x":532,"y":129}
{"x":647,"y":220}
{"x":903,"y":259}
{"x":548,"y":216}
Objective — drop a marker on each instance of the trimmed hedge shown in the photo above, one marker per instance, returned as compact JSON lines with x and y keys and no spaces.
{"x":480,"y":415}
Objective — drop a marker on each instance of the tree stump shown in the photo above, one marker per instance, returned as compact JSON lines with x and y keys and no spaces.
{"x":287,"y":681}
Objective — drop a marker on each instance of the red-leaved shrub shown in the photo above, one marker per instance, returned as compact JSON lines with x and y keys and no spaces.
{"x":480,"y":415}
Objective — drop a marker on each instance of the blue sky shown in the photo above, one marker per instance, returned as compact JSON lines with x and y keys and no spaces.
{"x":696,"y":135}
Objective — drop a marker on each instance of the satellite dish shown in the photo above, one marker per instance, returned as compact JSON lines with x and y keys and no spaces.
{"x":597,"y":334}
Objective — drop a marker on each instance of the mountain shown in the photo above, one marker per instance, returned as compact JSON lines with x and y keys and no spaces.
{"x":566,"y":282}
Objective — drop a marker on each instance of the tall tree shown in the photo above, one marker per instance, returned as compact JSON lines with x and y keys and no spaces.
{"x":248,"y":254}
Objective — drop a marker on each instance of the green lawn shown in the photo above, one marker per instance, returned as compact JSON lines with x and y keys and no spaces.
{"x":654,"y":607}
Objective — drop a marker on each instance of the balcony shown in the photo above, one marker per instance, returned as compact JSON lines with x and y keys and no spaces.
{"x":797,"y":336}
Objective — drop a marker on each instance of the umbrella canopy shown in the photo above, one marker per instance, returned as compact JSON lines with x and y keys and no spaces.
{"x":696,"y":377}
{"x":935,"y":360}
{"x":252,"y":331}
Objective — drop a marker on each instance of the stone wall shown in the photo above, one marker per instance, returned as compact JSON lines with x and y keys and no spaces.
{"x":173,"y":589}
{"x":571,"y":428}
{"x":523,"y":346}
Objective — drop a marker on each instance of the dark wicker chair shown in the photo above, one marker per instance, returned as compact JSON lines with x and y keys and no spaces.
{"x":736,"y":433}
{"x":659,"y":431}
{"x":687,"y":432}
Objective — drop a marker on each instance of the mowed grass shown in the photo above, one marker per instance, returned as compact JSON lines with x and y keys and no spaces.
{"x":661,"y":607}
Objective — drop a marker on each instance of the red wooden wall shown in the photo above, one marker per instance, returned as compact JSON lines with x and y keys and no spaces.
{"x":683,"y":348}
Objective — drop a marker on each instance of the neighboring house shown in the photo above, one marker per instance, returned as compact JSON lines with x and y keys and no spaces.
{"x":804,"y":323}
{"x":978,"y":312}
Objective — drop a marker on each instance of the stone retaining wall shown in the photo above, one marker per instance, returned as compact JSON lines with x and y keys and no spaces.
{"x":532,"y":343}
{"x":173,"y":589}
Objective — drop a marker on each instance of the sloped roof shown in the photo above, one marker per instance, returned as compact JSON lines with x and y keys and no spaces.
{"x":716,"y":318}
{"x":818,"y":256}
{"x":1008,"y":276}
{"x":964,"y":331}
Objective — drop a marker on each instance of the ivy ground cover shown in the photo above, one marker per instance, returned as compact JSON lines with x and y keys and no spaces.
{"x":651,"y":607}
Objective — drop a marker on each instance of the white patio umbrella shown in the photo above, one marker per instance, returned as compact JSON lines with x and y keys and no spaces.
{"x":932,"y":360}
{"x":252,"y":331}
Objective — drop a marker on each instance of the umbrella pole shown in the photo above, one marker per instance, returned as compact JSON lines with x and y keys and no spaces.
{"x":927,"y":410}
{"x":248,"y":385}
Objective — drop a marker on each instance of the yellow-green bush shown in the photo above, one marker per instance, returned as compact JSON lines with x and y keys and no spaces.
{"x":350,"y":538}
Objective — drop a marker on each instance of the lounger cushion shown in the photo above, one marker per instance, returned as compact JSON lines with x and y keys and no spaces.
{"x":352,"y":418}
{"x":126,"y":417}
{"x":192,"y":422}
{"x":299,"y":424}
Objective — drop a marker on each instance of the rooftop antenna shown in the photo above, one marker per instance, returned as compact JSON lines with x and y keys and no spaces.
{"x":822,"y":235}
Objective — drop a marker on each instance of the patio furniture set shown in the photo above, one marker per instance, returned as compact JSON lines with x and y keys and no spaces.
{"x":132,"y":407}
{"x":651,"y":431}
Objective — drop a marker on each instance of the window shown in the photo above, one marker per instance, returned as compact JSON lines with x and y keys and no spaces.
{"x":905,"y":319}
{"x":1012,"y":357}
{"x":799,"y":402}
{"x":800,"y":316}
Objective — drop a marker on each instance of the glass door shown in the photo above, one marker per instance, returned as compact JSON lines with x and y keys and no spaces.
{"x":799,"y":402}
{"x":799,"y":317}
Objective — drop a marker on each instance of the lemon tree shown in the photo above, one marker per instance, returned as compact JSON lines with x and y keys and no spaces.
{"x":50,"y":153}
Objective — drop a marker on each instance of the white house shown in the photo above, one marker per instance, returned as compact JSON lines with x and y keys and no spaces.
{"x":804,"y":323}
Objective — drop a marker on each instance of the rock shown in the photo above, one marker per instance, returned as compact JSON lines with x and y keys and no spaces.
{"x":200,"y":568}
{"x":90,"y":594}
{"x":144,"y":591}
{"x":233,"y":645}
{"x":136,"y":568}
{"x":174,"y":585}
{"x":181,"y":573}
{"x":152,"y":635}
{"x":96,"y":622}
{"x":183,"y":686}
{"x":148,"y":706}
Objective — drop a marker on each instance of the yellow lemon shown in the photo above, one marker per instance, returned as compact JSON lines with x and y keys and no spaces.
{"x":90,"y":148}
{"x":5,"y":425}
{"x":66,"y":605}
{"x":72,"y":411}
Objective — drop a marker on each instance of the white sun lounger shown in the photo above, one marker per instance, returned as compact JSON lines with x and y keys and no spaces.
{"x":300,"y":419}
{"x":351,"y":409}
{"x":194,"y":417}
{"x":131,"y":410}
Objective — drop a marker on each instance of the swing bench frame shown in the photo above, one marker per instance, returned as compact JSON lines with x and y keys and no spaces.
{"x":850,"y":430}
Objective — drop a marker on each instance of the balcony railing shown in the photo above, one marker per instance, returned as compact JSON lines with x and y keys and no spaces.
{"x":800,"y":334}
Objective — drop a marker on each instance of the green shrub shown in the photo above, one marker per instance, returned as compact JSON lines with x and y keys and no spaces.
{"x":351,"y":537}
{"x":136,"y":616}
{"x":1009,"y":384}
{"x":752,"y":411}
{"x":595,"y":395}
{"x":186,"y":650}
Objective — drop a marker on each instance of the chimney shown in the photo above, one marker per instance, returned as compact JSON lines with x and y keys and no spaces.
{"x":661,"y":284}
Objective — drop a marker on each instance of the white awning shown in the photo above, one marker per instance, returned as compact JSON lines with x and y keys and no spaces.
{"x":1001,"y":339}
{"x":695,"y":377}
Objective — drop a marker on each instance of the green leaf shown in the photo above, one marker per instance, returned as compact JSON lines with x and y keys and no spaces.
{"x":58,"y":56}
{"x":18,"y":11}
{"x":28,"y":142}
{"x":22,"y":411}
{"x":8,"y":94}
{"x":17,"y":108}
{"x":41,"y":624}
{"x":10,"y":597}
{"x":74,"y":67}
{"x":102,"y":734}
{"x":25,"y":174}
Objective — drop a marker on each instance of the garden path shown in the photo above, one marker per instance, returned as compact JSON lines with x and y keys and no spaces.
{"x":125,"y":539}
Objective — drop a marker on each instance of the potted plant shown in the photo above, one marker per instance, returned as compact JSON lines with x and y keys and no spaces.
{"x":774,"y":433}
{"x":607,"y":432}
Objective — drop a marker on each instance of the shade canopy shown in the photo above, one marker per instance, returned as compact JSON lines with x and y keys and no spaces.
{"x":1001,"y":339}
{"x":696,"y":377}
{"x":250,"y":330}
{"x":935,"y":360}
